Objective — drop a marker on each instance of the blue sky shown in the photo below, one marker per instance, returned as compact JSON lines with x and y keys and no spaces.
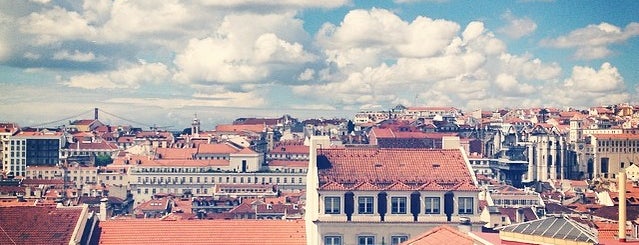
{"x":162,"y":63}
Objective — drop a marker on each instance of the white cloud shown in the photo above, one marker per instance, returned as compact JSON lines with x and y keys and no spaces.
{"x":57,"y":24}
{"x":509,"y":85}
{"x":129,"y":19}
{"x":527,"y":67}
{"x":244,"y":53}
{"x":589,"y":87}
{"x":592,"y":41}
{"x":466,"y":67}
{"x":587,"y":79}
{"x":131,"y":76}
{"x":74,"y":56}
{"x":516,"y":28}
{"x":306,"y":75}
{"x":281,"y":3}
{"x":269,"y":48}
{"x":227,"y":99}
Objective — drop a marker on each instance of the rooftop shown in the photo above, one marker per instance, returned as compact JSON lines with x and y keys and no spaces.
{"x":441,"y":235}
{"x":38,"y":225}
{"x":405,"y":169}
{"x":203,"y":232}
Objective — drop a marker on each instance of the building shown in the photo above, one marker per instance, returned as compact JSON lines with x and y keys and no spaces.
{"x":32,"y":149}
{"x":6,"y":130}
{"x":612,"y":153}
{"x":197,"y":171}
{"x":369,"y":195}
{"x":547,"y":153}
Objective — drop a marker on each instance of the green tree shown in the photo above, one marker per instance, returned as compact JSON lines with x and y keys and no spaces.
{"x":103,"y":160}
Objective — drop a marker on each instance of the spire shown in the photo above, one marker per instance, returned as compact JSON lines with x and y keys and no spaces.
{"x":195,"y":125}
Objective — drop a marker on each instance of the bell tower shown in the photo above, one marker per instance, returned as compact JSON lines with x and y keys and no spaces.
{"x":195,"y":126}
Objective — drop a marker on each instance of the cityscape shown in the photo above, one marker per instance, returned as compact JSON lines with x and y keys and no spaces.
{"x":405,"y":175}
{"x":319,"y":122}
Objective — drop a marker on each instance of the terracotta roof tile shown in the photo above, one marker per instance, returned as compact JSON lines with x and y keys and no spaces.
{"x":333,"y":186}
{"x":288,"y":163}
{"x":366,"y":186}
{"x":256,"y":128}
{"x":441,"y":235}
{"x":290,"y":149}
{"x":38,"y":225}
{"x":383,"y":167}
{"x":216,"y":149}
{"x":229,"y":232}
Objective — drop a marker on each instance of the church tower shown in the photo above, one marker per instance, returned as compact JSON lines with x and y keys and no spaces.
{"x":195,"y":126}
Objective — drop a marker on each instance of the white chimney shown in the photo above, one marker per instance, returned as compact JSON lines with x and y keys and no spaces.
{"x":622,"y":206}
{"x":103,"y":209}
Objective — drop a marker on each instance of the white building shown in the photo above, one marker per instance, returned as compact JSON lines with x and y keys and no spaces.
{"x":372,"y":196}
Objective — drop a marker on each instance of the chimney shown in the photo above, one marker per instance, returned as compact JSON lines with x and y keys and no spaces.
{"x":519,"y":215}
{"x":95,"y":113}
{"x":622,"y":206}
{"x":103,"y":209}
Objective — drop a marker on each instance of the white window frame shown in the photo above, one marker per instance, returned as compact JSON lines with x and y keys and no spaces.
{"x":465,"y":205}
{"x":432,"y":203}
{"x":368,"y":207}
{"x":366,"y":240}
{"x":333,"y":240}
{"x":398,"y":239}
{"x":396,"y":207}
{"x":332,"y":205}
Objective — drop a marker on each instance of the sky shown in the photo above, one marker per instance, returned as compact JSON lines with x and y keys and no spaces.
{"x":161,"y":62}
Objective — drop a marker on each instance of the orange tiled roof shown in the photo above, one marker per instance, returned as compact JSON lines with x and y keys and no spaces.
{"x":216,"y":149}
{"x":442,"y":234}
{"x":407,"y":169}
{"x":290,"y":149}
{"x":229,"y":232}
{"x":288,"y":163}
{"x":154,"y":205}
{"x":256,"y":128}
{"x":176,"y":153}
{"x":38,"y":225}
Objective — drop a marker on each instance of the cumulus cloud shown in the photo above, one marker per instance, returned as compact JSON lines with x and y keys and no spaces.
{"x":74,"y":56}
{"x":228,"y":99}
{"x":516,"y":28}
{"x":282,"y":3}
{"x":306,"y":75}
{"x":592,"y":41}
{"x":587,"y":79}
{"x":57,"y":24}
{"x":244,"y":53}
{"x":509,"y":85}
{"x":588,"y":86}
{"x":130,"y":76}
{"x":464,"y":66}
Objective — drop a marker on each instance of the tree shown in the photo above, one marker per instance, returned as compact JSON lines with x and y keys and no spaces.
{"x":103,"y":160}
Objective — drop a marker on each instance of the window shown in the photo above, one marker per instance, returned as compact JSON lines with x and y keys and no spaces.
{"x":331,"y":205}
{"x":396,"y":240}
{"x":432,"y":205}
{"x":398,"y":205}
{"x":365,"y":240}
{"x":365,"y":205}
{"x":465,"y":205}
{"x":332,"y":240}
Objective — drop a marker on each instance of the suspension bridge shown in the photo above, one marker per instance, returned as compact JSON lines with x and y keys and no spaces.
{"x":97,"y":113}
